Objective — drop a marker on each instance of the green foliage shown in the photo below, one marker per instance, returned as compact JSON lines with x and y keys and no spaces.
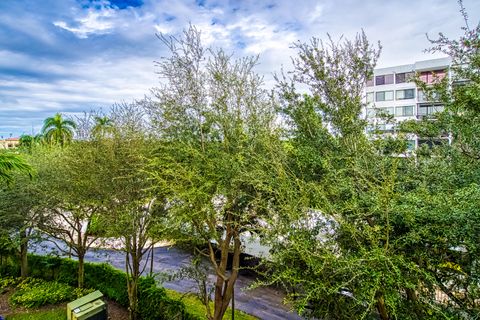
{"x":34,"y":293}
{"x":11,"y":163}
{"x":219,"y":148}
{"x":58,"y":130}
{"x":53,"y":314}
{"x":378,"y":235}
{"x":7,"y":282}
{"x":154,"y":303}
{"x":103,"y":277}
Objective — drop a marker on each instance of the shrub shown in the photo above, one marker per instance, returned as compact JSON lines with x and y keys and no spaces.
{"x":34,"y":293}
{"x":154,"y":303}
{"x":110,"y":281}
{"x":7,"y":282}
{"x":9,"y":266}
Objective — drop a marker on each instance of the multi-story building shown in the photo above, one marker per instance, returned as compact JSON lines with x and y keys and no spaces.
{"x":393,"y":92}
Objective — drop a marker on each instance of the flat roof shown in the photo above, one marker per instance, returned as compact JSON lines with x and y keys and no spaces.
{"x":422,"y":65}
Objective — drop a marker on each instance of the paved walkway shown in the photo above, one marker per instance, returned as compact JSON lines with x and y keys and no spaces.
{"x":264,"y":303}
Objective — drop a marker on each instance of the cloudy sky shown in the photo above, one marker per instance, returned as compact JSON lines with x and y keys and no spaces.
{"x":75,"y":55}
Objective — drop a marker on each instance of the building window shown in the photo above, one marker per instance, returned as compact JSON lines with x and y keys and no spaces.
{"x":410,"y":145}
{"x":384,"y":79}
{"x":404,"y":77}
{"x":370,"y":96}
{"x":370,"y":82}
{"x":432,"y":96}
{"x":384,"y":96}
{"x":379,"y":112}
{"x":388,"y":110}
{"x":430,"y":77}
{"x":428,"y":110}
{"x":431,"y":142}
{"x":371,"y":113}
{"x":404,"y":111}
{"x":405,"y":94}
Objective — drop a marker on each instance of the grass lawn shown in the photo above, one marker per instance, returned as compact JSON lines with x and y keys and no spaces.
{"x":195,"y":307}
{"x":59,"y":313}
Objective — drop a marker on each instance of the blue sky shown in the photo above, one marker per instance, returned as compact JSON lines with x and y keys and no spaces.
{"x":71,"y":56}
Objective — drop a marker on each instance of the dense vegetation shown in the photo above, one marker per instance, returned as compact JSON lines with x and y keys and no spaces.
{"x":358,"y":230}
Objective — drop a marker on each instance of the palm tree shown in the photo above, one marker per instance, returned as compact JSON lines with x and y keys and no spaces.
{"x":58,"y":130}
{"x":103,"y":127}
{"x":9,"y":163}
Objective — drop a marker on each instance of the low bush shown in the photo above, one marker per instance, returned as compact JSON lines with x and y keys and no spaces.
{"x":34,"y":293}
{"x":155,"y":303}
{"x":6,"y":283}
{"x":100,"y":276}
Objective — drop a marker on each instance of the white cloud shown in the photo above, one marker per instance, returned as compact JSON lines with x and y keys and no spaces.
{"x":94,"y":22}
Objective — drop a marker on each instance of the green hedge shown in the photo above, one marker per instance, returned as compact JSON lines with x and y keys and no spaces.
{"x":154,"y":304}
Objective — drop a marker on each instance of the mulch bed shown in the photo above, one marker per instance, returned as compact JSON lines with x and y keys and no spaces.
{"x":115,"y":311}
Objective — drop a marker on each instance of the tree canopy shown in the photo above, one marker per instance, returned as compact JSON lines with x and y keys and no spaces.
{"x":58,"y":130}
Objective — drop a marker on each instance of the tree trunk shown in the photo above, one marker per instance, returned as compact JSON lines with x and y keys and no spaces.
{"x":133,"y":299}
{"x":132,"y":279}
{"x":151,"y":259}
{"x":81,"y":270}
{"x":225,"y":284}
{"x":23,"y":254}
{"x":382,"y":309}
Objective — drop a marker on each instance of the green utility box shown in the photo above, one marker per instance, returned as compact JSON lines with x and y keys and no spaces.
{"x":89,"y":307}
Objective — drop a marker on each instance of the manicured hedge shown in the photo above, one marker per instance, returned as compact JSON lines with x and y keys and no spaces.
{"x":154,"y":304}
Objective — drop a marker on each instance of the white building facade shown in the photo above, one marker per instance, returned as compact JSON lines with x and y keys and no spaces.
{"x":392,"y":92}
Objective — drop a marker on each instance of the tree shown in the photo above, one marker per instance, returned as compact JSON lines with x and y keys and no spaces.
{"x":20,"y":205}
{"x":58,"y":130}
{"x":339,"y":253}
{"x":26,"y":141}
{"x":75,"y":184}
{"x":380,"y":234}
{"x":135,"y":210}
{"x":10,"y":165}
{"x":216,"y":125}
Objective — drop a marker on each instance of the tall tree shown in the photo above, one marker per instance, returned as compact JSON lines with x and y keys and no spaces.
{"x":338,"y":253}
{"x":75,"y":183}
{"x":217,"y":128}
{"x":20,"y":207}
{"x":381,"y":235}
{"x":136,"y":209}
{"x":16,"y":218}
{"x":58,"y":130}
